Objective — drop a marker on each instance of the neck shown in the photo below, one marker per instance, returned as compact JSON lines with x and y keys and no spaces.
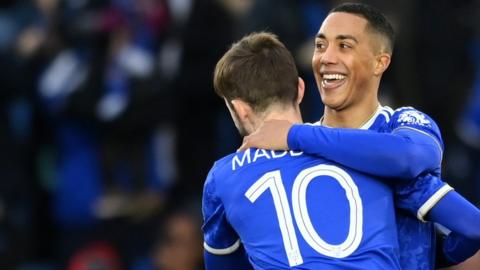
{"x":289,"y":114}
{"x":351,"y":117}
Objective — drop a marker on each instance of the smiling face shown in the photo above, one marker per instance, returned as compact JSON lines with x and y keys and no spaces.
{"x":345,"y":62}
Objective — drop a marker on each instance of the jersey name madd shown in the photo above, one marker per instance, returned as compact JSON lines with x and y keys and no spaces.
{"x":248,"y":157}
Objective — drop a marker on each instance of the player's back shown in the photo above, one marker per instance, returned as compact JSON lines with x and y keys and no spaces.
{"x":293,"y":210}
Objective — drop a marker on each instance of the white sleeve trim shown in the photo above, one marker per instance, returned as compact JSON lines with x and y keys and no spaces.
{"x":222,"y":251}
{"x":424,"y":133}
{"x":430,"y":203}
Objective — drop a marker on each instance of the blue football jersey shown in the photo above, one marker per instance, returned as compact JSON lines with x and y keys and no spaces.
{"x":414,"y":156}
{"x":416,"y":238}
{"x":295,"y":211}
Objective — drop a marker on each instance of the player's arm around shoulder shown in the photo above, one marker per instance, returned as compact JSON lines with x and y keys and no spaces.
{"x":406,"y":145}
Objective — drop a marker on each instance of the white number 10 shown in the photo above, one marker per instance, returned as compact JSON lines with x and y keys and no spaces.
{"x":273,"y":181}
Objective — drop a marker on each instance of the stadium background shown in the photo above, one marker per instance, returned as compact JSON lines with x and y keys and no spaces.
{"x":109,"y":122}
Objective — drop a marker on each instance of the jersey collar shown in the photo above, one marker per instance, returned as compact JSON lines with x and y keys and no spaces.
{"x":367,"y":124}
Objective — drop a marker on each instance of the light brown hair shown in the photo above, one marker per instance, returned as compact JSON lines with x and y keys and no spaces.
{"x":259,"y":70}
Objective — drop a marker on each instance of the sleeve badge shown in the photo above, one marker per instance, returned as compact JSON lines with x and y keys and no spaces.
{"x":413,"y":118}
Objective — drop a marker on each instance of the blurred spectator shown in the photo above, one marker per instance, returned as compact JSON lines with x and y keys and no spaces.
{"x":180,"y":244}
{"x":21,"y":215}
{"x":95,"y":256}
{"x":465,"y":161}
{"x":463,"y":152}
{"x":204,"y":31}
{"x":101,"y":92}
{"x":130,"y":109}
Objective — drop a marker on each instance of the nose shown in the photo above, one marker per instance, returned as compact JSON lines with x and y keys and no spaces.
{"x":329,"y":56}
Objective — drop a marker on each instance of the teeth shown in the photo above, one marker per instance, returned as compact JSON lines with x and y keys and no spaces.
{"x":333,"y":76}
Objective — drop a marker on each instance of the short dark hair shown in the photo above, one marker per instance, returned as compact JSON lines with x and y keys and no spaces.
{"x":258,"y":69}
{"x":376,"y":20}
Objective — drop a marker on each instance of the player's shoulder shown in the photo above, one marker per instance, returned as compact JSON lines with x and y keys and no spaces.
{"x":221,"y":165}
{"x":216,"y":172}
{"x":224,"y":161}
{"x":410,"y":115}
{"x":413,"y":119}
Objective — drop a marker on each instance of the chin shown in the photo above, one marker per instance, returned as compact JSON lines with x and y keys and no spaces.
{"x":331,"y":102}
{"x":336,"y":105}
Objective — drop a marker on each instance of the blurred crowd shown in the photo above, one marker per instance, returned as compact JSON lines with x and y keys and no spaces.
{"x":109,"y":122}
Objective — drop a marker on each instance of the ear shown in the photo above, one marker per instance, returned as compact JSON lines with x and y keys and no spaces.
{"x":382,"y":63}
{"x":242,"y":109}
{"x":301,"y":90}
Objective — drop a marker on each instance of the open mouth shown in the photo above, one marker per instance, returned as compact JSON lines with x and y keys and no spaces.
{"x":333,"y":80}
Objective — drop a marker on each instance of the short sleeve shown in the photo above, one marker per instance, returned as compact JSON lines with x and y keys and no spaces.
{"x":408,"y":118}
{"x":219,"y":237}
{"x":420,"y":195}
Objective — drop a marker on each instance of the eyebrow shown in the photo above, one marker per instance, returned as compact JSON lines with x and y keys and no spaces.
{"x":339,"y":37}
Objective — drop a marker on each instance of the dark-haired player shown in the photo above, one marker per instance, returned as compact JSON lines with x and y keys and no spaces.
{"x":352,"y":50}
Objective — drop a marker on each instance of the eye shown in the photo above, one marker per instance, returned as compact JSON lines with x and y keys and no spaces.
{"x":345,"y":45}
{"x":320,"y":45}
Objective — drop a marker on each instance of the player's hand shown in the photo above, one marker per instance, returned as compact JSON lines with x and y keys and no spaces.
{"x":272,"y":135}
